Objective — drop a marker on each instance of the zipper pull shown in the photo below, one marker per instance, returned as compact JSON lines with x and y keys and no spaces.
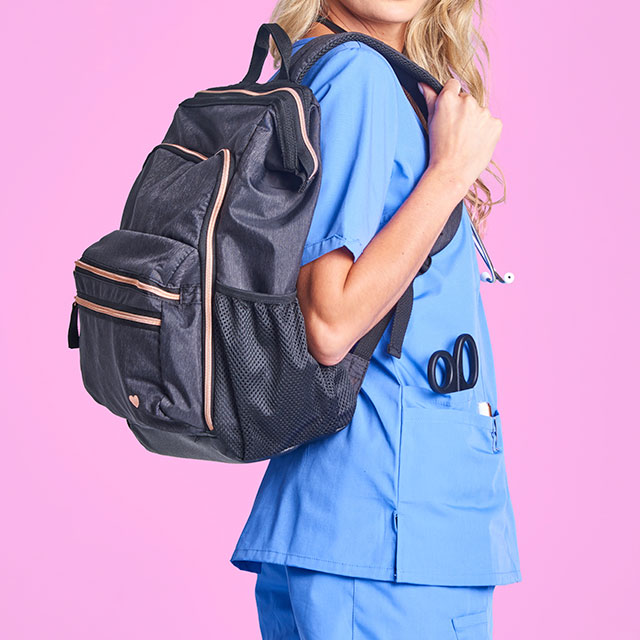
{"x":73,"y":337}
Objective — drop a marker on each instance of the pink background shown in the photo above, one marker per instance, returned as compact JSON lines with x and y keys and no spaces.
{"x":101,"y":539}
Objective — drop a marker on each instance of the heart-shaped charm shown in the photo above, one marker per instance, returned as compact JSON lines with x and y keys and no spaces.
{"x":135,"y":401}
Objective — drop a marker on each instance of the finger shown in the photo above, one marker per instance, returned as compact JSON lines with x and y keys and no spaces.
{"x":453,"y":85}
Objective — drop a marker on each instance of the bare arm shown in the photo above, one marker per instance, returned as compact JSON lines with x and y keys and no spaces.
{"x":341,"y":300}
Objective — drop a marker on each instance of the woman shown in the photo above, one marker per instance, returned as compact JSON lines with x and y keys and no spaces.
{"x":400,"y":525}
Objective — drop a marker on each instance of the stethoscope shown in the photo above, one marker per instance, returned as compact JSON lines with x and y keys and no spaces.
{"x":482,"y":250}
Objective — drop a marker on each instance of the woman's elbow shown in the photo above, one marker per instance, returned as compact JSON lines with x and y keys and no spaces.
{"x":320,"y":287}
{"x":325,"y":343}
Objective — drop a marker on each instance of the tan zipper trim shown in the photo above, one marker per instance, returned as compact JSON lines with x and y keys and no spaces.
{"x":117,"y":313}
{"x":191,"y":151}
{"x":163,"y":293}
{"x":208,"y":290}
{"x":303,"y":127}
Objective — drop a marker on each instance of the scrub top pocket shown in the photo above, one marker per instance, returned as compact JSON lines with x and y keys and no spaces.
{"x":457,"y":464}
{"x":453,"y":493}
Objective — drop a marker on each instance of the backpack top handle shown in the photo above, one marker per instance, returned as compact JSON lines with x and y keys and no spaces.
{"x":261,"y":48}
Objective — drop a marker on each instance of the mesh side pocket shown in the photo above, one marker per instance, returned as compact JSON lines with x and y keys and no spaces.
{"x":270,"y":394}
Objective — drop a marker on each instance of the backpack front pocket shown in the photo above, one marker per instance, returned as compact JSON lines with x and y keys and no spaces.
{"x":133,"y":288}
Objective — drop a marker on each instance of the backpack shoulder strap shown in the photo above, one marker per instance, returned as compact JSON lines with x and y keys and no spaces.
{"x":405,"y":68}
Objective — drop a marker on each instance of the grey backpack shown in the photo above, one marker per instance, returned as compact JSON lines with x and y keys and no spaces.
{"x":190,"y":326}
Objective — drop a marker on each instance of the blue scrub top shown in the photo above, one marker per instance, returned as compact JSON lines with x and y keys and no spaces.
{"x":414,"y":489}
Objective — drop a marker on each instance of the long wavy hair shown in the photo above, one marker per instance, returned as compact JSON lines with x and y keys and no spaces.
{"x":441,"y":38}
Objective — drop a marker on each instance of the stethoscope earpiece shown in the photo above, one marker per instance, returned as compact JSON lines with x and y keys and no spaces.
{"x":508,"y":277}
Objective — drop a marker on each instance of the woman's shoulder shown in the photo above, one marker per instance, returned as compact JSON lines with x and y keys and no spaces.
{"x":354,"y":65}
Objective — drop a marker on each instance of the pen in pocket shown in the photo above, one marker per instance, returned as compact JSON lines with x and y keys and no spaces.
{"x":484,"y":408}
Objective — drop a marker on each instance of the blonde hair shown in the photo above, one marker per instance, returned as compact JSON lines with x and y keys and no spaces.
{"x":441,"y":38}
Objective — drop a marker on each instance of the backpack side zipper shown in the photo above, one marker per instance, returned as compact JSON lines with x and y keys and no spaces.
{"x":209,"y":285}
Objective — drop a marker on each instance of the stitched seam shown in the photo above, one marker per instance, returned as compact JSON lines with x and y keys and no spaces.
{"x":331,"y":237}
{"x":353,"y":611}
{"x":366,"y":566}
{"x":297,"y":555}
{"x":473,"y":573}
{"x":358,"y":246}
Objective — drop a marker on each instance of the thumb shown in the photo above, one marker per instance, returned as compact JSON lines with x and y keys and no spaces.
{"x":430,"y":97}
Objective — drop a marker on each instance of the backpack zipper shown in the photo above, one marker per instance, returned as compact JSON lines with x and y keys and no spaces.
{"x":208,"y":288}
{"x":118,"y":313}
{"x":197,"y":154}
{"x":134,"y":282}
{"x":300,"y":113}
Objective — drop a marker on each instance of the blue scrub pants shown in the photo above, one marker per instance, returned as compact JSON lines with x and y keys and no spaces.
{"x":302,"y":604}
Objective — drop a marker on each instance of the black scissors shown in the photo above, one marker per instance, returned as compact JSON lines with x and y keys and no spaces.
{"x":454,"y":379}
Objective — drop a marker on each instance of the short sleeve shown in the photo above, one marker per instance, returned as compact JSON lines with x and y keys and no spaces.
{"x":356,"y":89}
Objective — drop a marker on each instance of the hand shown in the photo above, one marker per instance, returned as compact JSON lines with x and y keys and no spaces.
{"x":462,"y":134}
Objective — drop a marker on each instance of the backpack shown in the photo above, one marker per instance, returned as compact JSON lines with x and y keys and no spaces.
{"x":190,"y":326}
